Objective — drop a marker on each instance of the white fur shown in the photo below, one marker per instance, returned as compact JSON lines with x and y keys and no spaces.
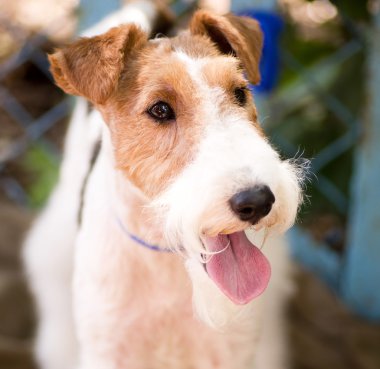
{"x":48,"y":250}
{"x":231,"y":157}
{"x":109,"y":317}
{"x":99,"y":295}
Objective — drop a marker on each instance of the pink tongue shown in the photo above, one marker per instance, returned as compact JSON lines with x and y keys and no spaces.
{"x":241,"y":271}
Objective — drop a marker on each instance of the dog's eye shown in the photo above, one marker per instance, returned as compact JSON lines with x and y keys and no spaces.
{"x":241,"y":95}
{"x":161,"y":111}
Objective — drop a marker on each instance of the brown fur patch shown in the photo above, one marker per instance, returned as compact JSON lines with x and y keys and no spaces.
{"x":91,"y":66}
{"x":151,"y":153}
{"x":226,"y":72}
{"x":240,"y":36}
{"x":195,"y":46}
{"x":124,"y":75}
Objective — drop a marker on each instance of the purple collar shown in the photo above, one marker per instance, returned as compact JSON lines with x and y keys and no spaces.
{"x":139,"y":240}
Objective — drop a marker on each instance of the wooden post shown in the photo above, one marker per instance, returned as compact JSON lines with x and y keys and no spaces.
{"x":361,"y":274}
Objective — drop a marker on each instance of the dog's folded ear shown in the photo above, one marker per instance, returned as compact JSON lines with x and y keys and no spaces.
{"x":238,"y":36}
{"x":91,"y":67}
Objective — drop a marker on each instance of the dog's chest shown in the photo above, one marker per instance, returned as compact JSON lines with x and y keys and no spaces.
{"x":145,"y":302}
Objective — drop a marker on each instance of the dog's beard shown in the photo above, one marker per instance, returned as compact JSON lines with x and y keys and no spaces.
{"x":198,"y":221}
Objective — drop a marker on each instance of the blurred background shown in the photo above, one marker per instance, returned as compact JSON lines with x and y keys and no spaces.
{"x":318,"y":100}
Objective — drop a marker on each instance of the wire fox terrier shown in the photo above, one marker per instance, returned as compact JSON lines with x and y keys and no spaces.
{"x":148,"y":255}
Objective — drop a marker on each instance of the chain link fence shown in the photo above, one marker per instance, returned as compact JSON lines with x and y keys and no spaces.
{"x":315,"y":110}
{"x":32,"y":110}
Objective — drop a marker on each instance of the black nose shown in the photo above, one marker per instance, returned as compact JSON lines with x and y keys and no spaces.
{"x":252,"y":204}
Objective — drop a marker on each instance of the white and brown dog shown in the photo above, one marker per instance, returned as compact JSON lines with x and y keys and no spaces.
{"x":159,"y":272}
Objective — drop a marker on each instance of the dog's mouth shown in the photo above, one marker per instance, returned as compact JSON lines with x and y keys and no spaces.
{"x":238,"y":267}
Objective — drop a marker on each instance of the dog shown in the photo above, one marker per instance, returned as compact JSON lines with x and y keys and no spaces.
{"x":164,"y":230}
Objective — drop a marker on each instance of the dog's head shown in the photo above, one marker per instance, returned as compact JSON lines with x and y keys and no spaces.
{"x":184,"y":130}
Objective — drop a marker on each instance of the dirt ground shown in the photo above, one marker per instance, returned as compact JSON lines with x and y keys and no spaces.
{"x":323,"y":335}
{"x":16,"y":312}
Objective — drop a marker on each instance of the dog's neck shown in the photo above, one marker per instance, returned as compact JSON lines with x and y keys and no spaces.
{"x":129,"y":205}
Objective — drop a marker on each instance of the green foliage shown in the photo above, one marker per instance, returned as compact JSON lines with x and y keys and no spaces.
{"x":353,"y":9}
{"x":43,"y":169}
